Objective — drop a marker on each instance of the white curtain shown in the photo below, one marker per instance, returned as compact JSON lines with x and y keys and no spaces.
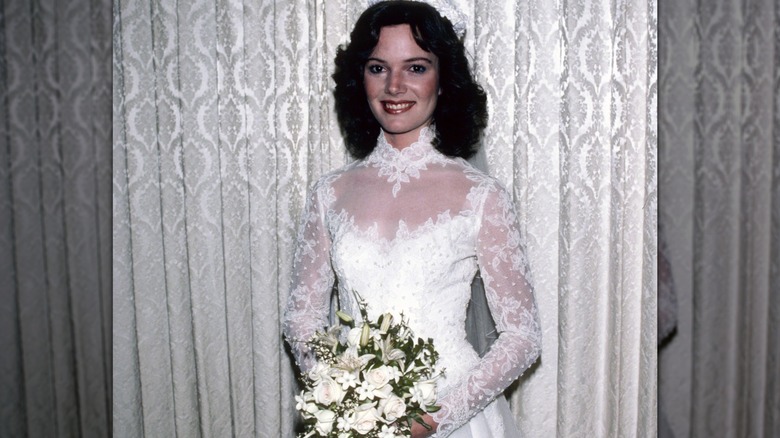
{"x":719,"y":173}
{"x":223,"y":117}
{"x":55,"y":218}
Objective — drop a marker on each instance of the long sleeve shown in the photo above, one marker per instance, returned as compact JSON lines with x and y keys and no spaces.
{"x":504,"y":270}
{"x":312,"y":280}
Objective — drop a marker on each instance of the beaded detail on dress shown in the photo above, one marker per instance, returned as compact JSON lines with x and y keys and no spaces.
{"x":408,"y":230}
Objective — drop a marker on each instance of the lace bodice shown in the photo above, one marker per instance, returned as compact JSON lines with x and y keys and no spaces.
{"x":408,"y":231}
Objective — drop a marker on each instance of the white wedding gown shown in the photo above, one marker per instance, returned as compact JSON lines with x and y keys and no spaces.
{"x":408,"y":231}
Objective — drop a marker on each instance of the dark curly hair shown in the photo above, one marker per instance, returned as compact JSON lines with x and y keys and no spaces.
{"x":461,"y":110}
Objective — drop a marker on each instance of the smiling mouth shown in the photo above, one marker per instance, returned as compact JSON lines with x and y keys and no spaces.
{"x":396,"y":107}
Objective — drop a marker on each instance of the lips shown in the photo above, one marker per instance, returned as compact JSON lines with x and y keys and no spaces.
{"x":392,"y":107}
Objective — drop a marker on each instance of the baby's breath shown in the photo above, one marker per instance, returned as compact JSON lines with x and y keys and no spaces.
{"x":341,"y":397}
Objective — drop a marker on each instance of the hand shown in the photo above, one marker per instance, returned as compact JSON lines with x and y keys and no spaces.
{"x":419,"y":431}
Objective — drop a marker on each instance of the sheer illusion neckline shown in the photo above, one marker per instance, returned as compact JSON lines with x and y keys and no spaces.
{"x":401,"y":164}
{"x":404,"y":233}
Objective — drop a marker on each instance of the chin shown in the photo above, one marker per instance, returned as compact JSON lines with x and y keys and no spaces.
{"x":402,"y":127}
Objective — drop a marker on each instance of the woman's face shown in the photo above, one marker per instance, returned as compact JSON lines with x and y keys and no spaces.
{"x":402,"y":85}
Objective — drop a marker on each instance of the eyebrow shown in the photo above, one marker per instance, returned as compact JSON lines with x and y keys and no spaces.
{"x":417,"y":59}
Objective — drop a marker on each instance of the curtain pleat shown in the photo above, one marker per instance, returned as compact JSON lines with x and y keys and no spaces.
{"x":35,"y":393}
{"x":260,"y":73}
{"x":536,"y":158}
{"x":223,"y":117}
{"x":678,"y":47}
{"x":719,"y":150}
{"x":55,"y":193}
{"x":126,"y":408}
{"x":585,"y":109}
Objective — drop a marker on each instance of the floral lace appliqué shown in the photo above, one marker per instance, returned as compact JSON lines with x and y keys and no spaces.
{"x":418,"y":259}
{"x":400,"y":165}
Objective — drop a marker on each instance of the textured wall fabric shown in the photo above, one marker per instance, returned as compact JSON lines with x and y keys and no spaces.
{"x":719,"y":147}
{"x":223,"y":118}
{"x":55,"y":243}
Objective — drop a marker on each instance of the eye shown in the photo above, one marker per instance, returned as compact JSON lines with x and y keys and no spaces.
{"x":375,"y":68}
{"x":417,"y":68}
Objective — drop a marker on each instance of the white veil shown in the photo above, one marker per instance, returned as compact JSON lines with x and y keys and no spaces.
{"x":480,"y":327}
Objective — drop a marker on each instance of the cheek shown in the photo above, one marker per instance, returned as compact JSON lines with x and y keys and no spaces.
{"x":371,"y":86}
{"x":431,"y":88}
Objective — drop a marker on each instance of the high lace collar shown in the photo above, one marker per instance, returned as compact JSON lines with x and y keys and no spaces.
{"x":399,"y":165}
{"x":385,"y":152}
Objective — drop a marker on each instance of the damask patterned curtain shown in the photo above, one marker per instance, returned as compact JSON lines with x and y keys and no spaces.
{"x":720,"y":168}
{"x":223,"y":117}
{"x":55,"y":218}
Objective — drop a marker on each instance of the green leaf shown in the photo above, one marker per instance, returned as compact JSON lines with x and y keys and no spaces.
{"x":419,"y":419}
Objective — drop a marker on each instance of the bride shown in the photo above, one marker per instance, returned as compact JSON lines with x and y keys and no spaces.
{"x":410,"y":223}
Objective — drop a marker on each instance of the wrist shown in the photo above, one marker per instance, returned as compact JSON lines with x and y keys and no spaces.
{"x":420,"y":431}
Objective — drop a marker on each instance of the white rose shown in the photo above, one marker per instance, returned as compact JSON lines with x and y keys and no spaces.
{"x":383,"y":392}
{"x":393,"y":408}
{"x":424,"y":393}
{"x":365,"y":420}
{"x":325,"y":419}
{"x":319,"y":371}
{"x":310,"y":410}
{"x":378,"y":377}
{"x":328,"y":391}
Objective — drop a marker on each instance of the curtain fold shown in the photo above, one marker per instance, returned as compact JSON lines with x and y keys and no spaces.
{"x":719,"y":161}
{"x":55,"y":193}
{"x":222,"y":119}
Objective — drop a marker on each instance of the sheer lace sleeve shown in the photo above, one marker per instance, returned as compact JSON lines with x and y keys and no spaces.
{"x":504,"y":269}
{"x":312,"y":280}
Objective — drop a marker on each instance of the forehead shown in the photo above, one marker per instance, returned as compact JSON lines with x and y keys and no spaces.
{"x":397,"y":42}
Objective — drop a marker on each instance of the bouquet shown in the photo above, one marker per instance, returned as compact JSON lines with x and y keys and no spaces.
{"x":373,"y":384}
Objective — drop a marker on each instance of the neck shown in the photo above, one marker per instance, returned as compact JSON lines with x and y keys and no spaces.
{"x":404,"y":140}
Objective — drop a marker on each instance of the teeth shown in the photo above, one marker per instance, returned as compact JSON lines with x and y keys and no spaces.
{"x":398,"y":106}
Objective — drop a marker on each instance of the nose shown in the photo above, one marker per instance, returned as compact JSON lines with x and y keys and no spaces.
{"x":395,"y":83}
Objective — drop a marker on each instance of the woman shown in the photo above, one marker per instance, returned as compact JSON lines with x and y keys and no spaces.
{"x":409,"y":224}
